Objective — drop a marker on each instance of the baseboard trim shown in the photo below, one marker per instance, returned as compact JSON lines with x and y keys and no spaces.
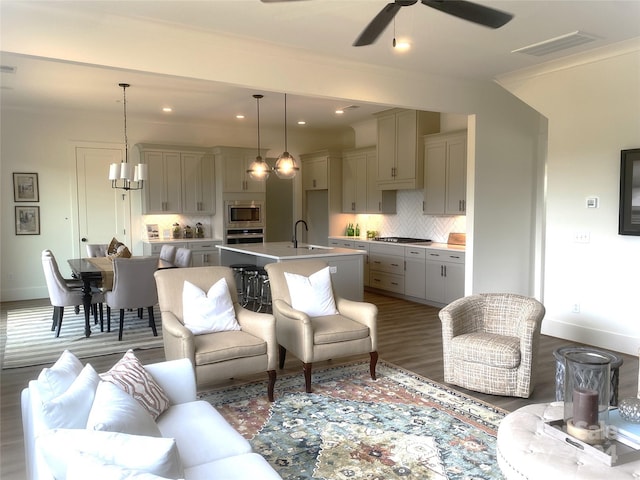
{"x":591,"y":336}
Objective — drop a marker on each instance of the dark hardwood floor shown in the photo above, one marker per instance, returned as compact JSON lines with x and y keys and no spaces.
{"x":409,"y":336}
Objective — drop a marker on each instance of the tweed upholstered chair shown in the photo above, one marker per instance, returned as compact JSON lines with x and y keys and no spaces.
{"x":352,"y":331}
{"x":220,"y":355}
{"x":490,"y":343}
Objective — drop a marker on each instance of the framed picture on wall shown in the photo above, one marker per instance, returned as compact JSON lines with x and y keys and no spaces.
{"x":25,"y":187}
{"x":629,"y":219}
{"x":27,"y":220}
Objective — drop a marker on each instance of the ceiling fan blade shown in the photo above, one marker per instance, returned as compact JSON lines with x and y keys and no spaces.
{"x":489,"y":17}
{"x":377,"y":25}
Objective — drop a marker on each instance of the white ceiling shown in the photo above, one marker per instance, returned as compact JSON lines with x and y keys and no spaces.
{"x":441,"y":44}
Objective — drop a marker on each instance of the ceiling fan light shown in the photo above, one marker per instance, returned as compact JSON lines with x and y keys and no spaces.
{"x":286,"y":166}
{"x":259,"y":169}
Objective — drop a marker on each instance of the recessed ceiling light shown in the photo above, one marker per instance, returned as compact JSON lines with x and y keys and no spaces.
{"x":401,"y":45}
{"x":301,"y":122}
{"x":167,"y":109}
{"x":240,"y":117}
{"x":339,"y":112}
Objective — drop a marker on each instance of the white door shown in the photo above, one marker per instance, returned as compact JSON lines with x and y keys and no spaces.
{"x":103,"y":212}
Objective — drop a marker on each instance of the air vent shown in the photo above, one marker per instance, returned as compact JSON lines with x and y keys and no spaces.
{"x":556,"y":44}
{"x":7,"y":69}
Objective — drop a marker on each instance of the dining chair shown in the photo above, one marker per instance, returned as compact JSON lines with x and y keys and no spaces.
{"x":65,"y":292}
{"x":133,"y":288}
{"x":182,"y":258}
{"x":168,"y":253}
{"x":97,"y":249}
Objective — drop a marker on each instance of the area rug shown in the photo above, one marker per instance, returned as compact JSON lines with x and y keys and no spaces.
{"x":401,"y":426}
{"x":30,"y":340}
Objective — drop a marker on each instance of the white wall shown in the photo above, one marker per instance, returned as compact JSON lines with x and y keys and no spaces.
{"x":593,"y":109}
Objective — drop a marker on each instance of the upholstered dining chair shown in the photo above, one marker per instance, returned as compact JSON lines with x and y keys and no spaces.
{"x":168,"y":253}
{"x":133,"y":288}
{"x":182,"y":258}
{"x":97,"y":249}
{"x":348,"y":329}
{"x":490,"y":343}
{"x":224,"y":353}
{"x":64,"y":292}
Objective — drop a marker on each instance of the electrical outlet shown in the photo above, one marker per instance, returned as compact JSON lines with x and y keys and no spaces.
{"x":582,"y":237}
{"x":575,"y":308}
{"x":333,"y":269}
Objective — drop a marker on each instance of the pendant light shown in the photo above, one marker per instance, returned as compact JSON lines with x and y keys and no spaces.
{"x":121,"y":174}
{"x":259,"y":169}
{"x":286,"y":166}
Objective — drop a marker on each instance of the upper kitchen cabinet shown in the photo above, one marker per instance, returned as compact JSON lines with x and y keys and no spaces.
{"x":234,"y":162}
{"x":401,"y":147}
{"x":360,"y":193}
{"x":445,"y":173}
{"x":198,"y":184}
{"x":163,"y":188}
{"x":315,"y":168}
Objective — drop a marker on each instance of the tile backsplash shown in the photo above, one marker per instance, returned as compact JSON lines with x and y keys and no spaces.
{"x":410,"y":222}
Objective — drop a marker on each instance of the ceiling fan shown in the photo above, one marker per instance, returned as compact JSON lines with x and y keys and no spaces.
{"x":470,"y":11}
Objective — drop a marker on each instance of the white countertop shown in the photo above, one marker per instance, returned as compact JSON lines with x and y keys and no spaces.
{"x":183,"y":240}
{"x":438,"y":246}
{"x":285,"y":250}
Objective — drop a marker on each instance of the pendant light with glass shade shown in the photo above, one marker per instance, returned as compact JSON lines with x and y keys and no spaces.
{"x":286,"y":166}
{"x":121,"y":175}
{"x":259,"y":169}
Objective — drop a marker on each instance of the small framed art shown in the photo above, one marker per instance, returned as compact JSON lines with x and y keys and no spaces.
{"x":25,"y":187}
{"x":27,"y":220}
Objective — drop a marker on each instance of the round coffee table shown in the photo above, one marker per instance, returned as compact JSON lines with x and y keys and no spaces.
{"x":526,"y":453}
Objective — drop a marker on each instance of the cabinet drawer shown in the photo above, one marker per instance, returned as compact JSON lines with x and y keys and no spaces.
{"x":386,"y":263}
{"x":203,"y":247}
{"x":445,"y":256}
{"x":156,"y":247}
{"x":413,"y":252}
{"x":342,"y":243}
{"x":361,"y":246}
{"x":386,"y":249}
{"x":386,"y":281}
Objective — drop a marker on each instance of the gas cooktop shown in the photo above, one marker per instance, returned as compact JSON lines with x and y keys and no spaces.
{"x":401,"y":240}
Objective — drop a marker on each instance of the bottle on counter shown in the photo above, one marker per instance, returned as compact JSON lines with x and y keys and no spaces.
{"x":175,"y":230}
{"x":357,"y":232}
{"x":199,"y":230}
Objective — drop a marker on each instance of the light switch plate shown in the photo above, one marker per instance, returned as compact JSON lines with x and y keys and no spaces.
{"x":593,"y":202}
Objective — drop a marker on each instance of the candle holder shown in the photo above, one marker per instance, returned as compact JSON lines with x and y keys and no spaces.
{"x":586,"y":396}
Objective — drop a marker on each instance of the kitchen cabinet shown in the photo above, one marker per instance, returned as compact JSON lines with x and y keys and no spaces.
{"x":415,"y":272}
{"x":386,"y":267}
{"x":444,"y":276}
{"x":203,"y":252}
{"x":445,"y":174}
{"x":234,"y":163}
{"x":198,"y":184}
{"x":153,"y":248}
{"x":360,"y":193}
{"x":162,"y":192}
{"x":315,"y":172}
{"x":355,"y":244}
{"x":401,"y":147}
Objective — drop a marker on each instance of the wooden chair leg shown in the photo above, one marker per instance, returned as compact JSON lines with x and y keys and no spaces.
{"x":272,"y":384}
{"x":372,"y":364}
{"x":101,"y":317}
{"x":59,"y":321}
{"x":140,"y":312}
{"x":307,"y":377}
{"x":282,"y":356}
{"x":152,"y":321}
{"x":54,"y":319}
{"x":121,"y":324}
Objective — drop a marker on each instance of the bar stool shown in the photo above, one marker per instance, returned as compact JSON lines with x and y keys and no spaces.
{"x":264,"y":299}
{"x":240,"y":273}
{"x":252,"y":289}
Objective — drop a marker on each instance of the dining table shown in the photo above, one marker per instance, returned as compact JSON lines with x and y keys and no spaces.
{"x":97,"y":272}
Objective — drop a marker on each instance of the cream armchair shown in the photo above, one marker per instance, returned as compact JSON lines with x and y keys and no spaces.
{"x":221,"y":355}
{"x":312,"y":339}
{"x":490,"y":343}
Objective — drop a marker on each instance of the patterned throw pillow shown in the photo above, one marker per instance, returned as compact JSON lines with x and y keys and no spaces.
{"x":130,"y":375}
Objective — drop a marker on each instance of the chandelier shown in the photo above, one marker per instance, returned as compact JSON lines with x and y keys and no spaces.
{"x":259,"y":169}
{"x":121,"y":175}
{"x":286,"y":166}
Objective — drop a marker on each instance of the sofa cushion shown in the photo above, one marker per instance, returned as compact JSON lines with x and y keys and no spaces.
{"x":83,"y":467}
{"x":312,"y":295}
{"x":114,"y":410}
{"x":208,"y":312}
{"x":225,"y":346}
{"x":71,"y":409}
{"x":487,"y":348}
{"x":55,"y":380}
{"x":240,"y":467}
{"x":201,"y":433}
{"x":149,"y":454}
{"x":130,"y":375}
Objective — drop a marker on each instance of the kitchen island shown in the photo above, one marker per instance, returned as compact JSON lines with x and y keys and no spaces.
{"x":346,"y":264}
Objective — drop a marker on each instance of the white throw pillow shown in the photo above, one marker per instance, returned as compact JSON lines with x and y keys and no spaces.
{"x":83,"y":467}
{"x":71,"y":409}
{"x":208,"y":312}
{"x":130,"y":375}
{"x":114,"y":410}
{"x":148,"y":454}
{"x":54,"y":381}
{"x":312,"y":295}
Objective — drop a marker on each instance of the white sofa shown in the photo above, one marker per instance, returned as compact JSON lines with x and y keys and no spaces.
{"x":207,"y":446}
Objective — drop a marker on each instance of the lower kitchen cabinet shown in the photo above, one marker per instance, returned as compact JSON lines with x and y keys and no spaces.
{"x":203,"y":252}
{"x":444,"y":276}
{"x":356,"y":245}
{"x":415,"y":272}
{"x":386,"y":268}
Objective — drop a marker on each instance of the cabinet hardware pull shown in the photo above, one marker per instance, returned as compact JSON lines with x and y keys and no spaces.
{"x":376,"y":261}
{"x":445,"y":270}
{"x":395,"y":265}
{"x":353,"y":206}
{"x":442,"y":270}
{"x":314,"y":183}
{"x":434,"y":254}
{"x":394,"y":283}
{"x":376,"y":280}
{"x":379,"y":206}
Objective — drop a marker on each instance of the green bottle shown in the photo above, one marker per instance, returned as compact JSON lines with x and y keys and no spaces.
{"x":357,"y":230}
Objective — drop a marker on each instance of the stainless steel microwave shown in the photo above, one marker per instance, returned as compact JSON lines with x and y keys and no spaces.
{"x":241,"y":214}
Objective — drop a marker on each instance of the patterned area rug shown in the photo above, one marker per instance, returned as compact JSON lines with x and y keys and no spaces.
{"x":401,"y":426}
{"x":30,"y":340}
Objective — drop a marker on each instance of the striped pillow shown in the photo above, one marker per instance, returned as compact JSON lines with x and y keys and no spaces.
{"x":130,"y":375}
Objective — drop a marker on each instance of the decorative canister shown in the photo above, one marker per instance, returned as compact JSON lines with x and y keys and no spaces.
{"x":199,"y":230}
{"x":188,"y":232}
{"x":175,"y":230}
{"x":586,"y":395}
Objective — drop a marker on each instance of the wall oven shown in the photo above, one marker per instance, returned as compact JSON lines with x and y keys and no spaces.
{"x":244,"y":222}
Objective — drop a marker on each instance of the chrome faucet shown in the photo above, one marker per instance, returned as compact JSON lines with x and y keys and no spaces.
{"x":295,"y":232}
